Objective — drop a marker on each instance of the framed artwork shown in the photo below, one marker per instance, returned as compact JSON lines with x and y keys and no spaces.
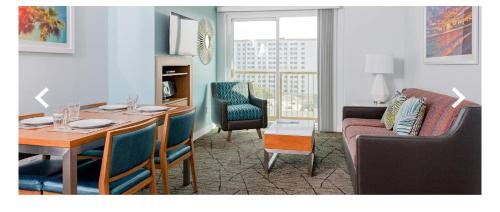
{"x":46,"y":29}
{"x":451,"y":35}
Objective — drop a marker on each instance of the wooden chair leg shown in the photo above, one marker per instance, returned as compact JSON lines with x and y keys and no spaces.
{"x":218,"y":131}
{"x":193,"y":174}
{"x":152,"y":185}
{"x":229,"y":135}
{"x":164,"y":177}
{"x":259,"y":133}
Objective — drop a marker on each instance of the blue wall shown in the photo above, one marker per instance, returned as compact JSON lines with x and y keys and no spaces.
{"x":203,"y":75}
{"x":131,"y":54}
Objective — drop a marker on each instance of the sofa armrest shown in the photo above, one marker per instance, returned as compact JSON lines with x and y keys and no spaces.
{"x":362,"y":112}
{"x":262,"y":104}
{"x":447,"y":164}
{"x":219,"y":112}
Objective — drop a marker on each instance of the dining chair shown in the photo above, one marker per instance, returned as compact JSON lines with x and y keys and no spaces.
{"x":176,"y":145}
{"x":127,"y":165}
{"x":96,"y":153}
{"x":27,"y":116}
{"x":94,"y":105}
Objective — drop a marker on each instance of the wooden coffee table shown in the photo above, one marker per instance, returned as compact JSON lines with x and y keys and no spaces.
{"x":287,"y":136}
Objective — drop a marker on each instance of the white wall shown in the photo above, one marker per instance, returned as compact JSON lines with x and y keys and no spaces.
{"x":79,"y":77}
{"x":131,"y":54}
{"x":364,"y":30}
{"x":438,"y":78}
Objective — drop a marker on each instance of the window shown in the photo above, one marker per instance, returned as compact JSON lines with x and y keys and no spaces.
{"x":275,"y":46}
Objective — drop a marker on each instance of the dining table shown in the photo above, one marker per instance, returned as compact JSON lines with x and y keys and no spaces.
{"x":47,"y":141}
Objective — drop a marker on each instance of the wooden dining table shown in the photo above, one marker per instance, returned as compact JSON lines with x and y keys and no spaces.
{"x":46,"y":141}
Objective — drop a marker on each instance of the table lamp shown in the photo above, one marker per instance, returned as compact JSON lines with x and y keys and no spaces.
{"x":379,"y":64}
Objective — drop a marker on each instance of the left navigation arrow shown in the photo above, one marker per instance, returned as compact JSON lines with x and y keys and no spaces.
{"x":40,"y":95}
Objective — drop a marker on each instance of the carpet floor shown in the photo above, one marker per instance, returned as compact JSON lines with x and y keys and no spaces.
{"x":237,"y":168}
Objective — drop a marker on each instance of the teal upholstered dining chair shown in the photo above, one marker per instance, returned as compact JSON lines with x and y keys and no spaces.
{"x":33,"y":174}
{"x":95,"y":153}
{"x":127,"y":165}
{"x":176,"y":145}
{"x":235,"y":107}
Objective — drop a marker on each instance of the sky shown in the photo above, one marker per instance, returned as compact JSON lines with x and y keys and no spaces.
{"x":290,"y":27}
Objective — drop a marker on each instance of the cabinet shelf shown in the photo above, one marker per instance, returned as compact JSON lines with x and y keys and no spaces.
{"x":174,"y":74}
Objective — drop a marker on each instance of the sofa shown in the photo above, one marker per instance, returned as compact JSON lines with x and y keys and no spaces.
{"x":445,"y":157}
{"x":235,"y":107}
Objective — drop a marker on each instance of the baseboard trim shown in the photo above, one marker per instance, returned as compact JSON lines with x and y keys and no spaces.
{"x":203,"y":131}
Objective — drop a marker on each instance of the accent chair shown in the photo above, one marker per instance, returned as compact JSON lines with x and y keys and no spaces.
{"x":235,"y":107}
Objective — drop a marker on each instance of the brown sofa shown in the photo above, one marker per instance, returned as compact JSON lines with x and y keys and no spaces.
{"x":445,"y":158}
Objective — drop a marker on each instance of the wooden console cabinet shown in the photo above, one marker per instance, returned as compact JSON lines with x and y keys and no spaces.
{"x":181,"y":78}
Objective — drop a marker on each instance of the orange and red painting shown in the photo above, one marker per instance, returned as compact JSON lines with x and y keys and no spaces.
{"x":449,"y":31}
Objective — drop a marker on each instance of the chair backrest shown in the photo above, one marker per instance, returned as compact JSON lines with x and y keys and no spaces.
{"x":234,"y":93}
{"x":128,"y":149}
{"x":27,"y":116}
{"x":83,"y":107}
{"x":178,"y":127}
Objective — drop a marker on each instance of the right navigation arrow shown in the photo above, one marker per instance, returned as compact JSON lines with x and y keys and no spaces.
{"x":461,"y":97}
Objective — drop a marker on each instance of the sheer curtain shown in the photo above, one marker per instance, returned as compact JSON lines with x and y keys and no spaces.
{"x":326,"y":25}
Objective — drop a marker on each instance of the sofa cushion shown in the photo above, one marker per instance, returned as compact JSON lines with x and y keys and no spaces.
{"x":440,"y":114}
{"x":361,"y":122}
{"x":233,"y":92}
{"x":392,"y":109}
{"x":243,"y":112}
{"x":410,"y":116}
{"x":352,"y":132}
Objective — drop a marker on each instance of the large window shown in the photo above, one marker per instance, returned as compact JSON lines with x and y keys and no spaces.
{"x":279,"y":55}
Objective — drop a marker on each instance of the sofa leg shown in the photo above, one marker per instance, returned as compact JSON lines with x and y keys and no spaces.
{"x":229,"y":135}
{"x":259,"y":133}
{"x":218,"y":131}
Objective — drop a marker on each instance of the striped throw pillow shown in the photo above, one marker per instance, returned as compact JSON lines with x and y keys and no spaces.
{"x":392,"y":109}
{"x":410,"y":116}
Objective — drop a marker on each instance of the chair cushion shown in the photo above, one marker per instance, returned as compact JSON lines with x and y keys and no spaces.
{"x":88,"y":180}
{"x":361,"y":122}
{"x":243,"y":112}
{"x":352,"y":132}
{"x":92,"y":153}
{"x":233,"y":92}
{"x":172,"y":155}
{"x":32,"y":175}
{"x":410,"y":116}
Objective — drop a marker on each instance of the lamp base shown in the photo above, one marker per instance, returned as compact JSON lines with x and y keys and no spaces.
{"x":380,"y":92}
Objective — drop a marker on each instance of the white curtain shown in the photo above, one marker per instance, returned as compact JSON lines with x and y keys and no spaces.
{"x":326,"y":66}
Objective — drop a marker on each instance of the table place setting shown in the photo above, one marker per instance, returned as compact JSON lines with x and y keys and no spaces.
{"x":88,"y":125}
{"x":36,"y":123}
{"x":108,"y":109}
{"x":151,"y":110}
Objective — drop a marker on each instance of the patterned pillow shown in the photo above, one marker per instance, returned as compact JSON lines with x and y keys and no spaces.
{"x":410,"y":116}
{"x":392,"y":109}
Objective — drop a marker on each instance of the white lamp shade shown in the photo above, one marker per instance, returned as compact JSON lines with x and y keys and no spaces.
{"x":379,"y":64}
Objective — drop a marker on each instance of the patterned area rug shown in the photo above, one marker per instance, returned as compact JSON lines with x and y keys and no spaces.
{"x":237,"y":168}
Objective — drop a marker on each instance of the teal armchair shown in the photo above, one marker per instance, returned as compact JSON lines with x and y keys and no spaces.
{"x":235,"y":107}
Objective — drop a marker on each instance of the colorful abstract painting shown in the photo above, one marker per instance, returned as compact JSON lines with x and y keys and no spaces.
{"x":449,"y":32}
{"x":47,"y":27}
